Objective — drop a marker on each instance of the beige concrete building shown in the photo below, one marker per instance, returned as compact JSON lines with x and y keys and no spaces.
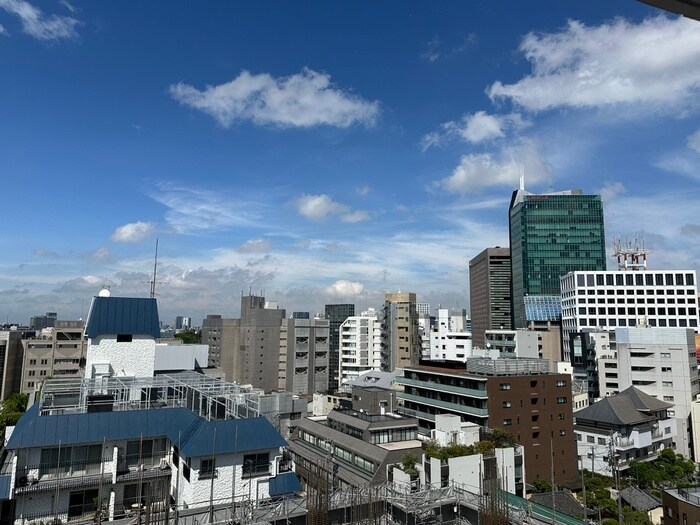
{"x":57,"y":352}
{"x":10,"y":362}
{"x":401,"y":336}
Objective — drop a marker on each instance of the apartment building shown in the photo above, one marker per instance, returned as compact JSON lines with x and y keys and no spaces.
{"x":401,"y":337}
{"x":303,"y":356}
{"x":11,"y":359}
{"x":520,"y":396}
{"x":56,"y":352}
{"x":336,"y":315}
{"x":360,"y":343}
{"x":447,"y":343}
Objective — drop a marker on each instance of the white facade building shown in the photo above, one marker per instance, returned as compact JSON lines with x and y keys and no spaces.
{"x":609,"y":299}
{"x":446,"y":344}
{"x":660,"y":362}
{"x":360,"y":346}
{"x":513,"y":343}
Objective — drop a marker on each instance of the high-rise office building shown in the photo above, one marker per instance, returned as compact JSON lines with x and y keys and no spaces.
{"x":183,"y":323}
{"x":336,"y":315}
{"x":489,"y":292}
{"x":39,"y":322}
{"x":551,"y":235}
{"x":401,"y":335}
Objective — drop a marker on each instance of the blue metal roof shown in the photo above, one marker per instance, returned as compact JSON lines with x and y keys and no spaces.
{"x":196,"y":436}
{"x":285,"y":483}
{"x":123,"y":315}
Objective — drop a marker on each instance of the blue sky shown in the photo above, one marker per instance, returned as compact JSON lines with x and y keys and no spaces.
{"x":323,"y":151}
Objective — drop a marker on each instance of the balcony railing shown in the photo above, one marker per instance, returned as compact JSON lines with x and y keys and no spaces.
{"x":40,"y":478}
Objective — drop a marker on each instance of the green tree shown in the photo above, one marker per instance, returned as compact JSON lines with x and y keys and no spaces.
{"x":12,"y":409}
{"x":542,"y":485}
{"x":190,"y":337}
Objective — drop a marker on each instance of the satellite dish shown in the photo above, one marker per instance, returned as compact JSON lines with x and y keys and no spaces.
{"x":104,"y":293}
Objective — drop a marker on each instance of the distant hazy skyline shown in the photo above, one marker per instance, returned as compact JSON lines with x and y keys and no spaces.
{"x":326,"y":152}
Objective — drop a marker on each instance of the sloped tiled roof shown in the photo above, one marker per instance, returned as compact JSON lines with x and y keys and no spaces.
{"x":638,"y":499}
{"x":123,"y":315}
{"x":629,"y":407}
{"x":196,"y":436}
{"x":564,"y":501}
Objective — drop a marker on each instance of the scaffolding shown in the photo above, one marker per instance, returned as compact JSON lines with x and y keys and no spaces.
{"x":208,"y":397}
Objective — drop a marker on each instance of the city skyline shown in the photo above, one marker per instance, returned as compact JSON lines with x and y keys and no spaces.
{"x":327,"y":154}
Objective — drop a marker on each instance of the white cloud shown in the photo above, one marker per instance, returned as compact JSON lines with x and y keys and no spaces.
{"x":474,"y":128}
{"x":254,"y":246}
{"x":478,"y":171}
{"x":133,"y":232}
{"x":345,"y":288}
{"x":193,"y":209}
{"x":693,"y":141}
{"x":355,"y":216}
{"x":318,"y":207}
{"x":68,"y":5}
{"x":362,"y":190}
{"x":654,"y":64}
{"x":43,"y":252}
{"x":302,"y":100}
{"x":100,"y":255}
{"x":3,"y":31}
{"x":432,"y":50}
{"x":611,"y":190}
{"x":38,"y":25}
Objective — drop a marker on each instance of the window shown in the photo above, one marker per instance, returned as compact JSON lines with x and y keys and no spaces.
{"x":32,"y":361}
{"x":124,"y":338}
{"x":32,"y":373}
{"x":665,"y":355}
{"x":504,"y":386}
{"x":601,"y":441}
{"x":256,"y":464}
{"x":590,"y":439}
{"x":561,"y":400}
{"x":562,"y":432}
{"x":507,"y":404}
{"x":207,"y":468}
{"x":578,"y":437}
{"x":81,"y":502}
{"x":561,"y":382}
{"x":507,"y":422}
{"x":44,"y":361}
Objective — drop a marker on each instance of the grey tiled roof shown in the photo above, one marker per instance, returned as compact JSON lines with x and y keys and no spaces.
{"x":629,"y":407}
{"x":638,"y":499}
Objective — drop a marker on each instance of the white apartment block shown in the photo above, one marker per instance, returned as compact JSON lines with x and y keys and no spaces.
{"x":660,"y":362}
{"x":606,"y":300}
{"x":446,"y":344}
{"x":360,"y":346}
{"x":513,"y":343}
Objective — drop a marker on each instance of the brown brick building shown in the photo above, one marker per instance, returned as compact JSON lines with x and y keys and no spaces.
{"x":518,"y":395}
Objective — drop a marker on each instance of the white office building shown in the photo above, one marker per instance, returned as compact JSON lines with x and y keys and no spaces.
{"x":360,"y":346}
{"x":446,"y":344}
{"x":605,"y":300}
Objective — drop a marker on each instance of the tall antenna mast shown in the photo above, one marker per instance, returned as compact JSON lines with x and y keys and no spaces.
{"x":155,"y":271}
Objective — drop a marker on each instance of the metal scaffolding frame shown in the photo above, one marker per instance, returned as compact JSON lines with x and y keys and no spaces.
{"x":207,"y":397}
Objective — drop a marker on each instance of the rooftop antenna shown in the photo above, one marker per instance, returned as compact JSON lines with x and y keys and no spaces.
{"x":155,"y":272}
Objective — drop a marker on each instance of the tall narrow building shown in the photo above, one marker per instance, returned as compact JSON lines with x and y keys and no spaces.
{"x":336,"y":315}
{"x":551,"y":235}
{"x":489,"y":292}
{"x":401,"y":337}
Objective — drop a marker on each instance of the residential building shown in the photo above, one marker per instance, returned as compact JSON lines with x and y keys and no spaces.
{"x":401,"y":336}
{"x":513,"y":343}
{"x":489,"y":292}
{"x":57,"y":352}
{"x":520,"y":396}
{"x":360,"y":346}
{"x":336,"y":315}
{"x":631,"y":425}
{"x":101,"y":445}
{"x":476,"y":472}
{"x":423,"y":308}
{"x":681,"y":505}
{"x":11,"y":358}
{"x":351,"y":448}
{"x":605,"y":300}
{"x":551,"y":235}
{"x":223,"y":339}
{"x":447,"y":344}
{"x":375,"y":391}
{"x":661,"y":362}
{"x":303,"y":356}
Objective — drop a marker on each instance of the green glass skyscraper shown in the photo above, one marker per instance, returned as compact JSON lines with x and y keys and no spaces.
{"x":550,"y":235}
